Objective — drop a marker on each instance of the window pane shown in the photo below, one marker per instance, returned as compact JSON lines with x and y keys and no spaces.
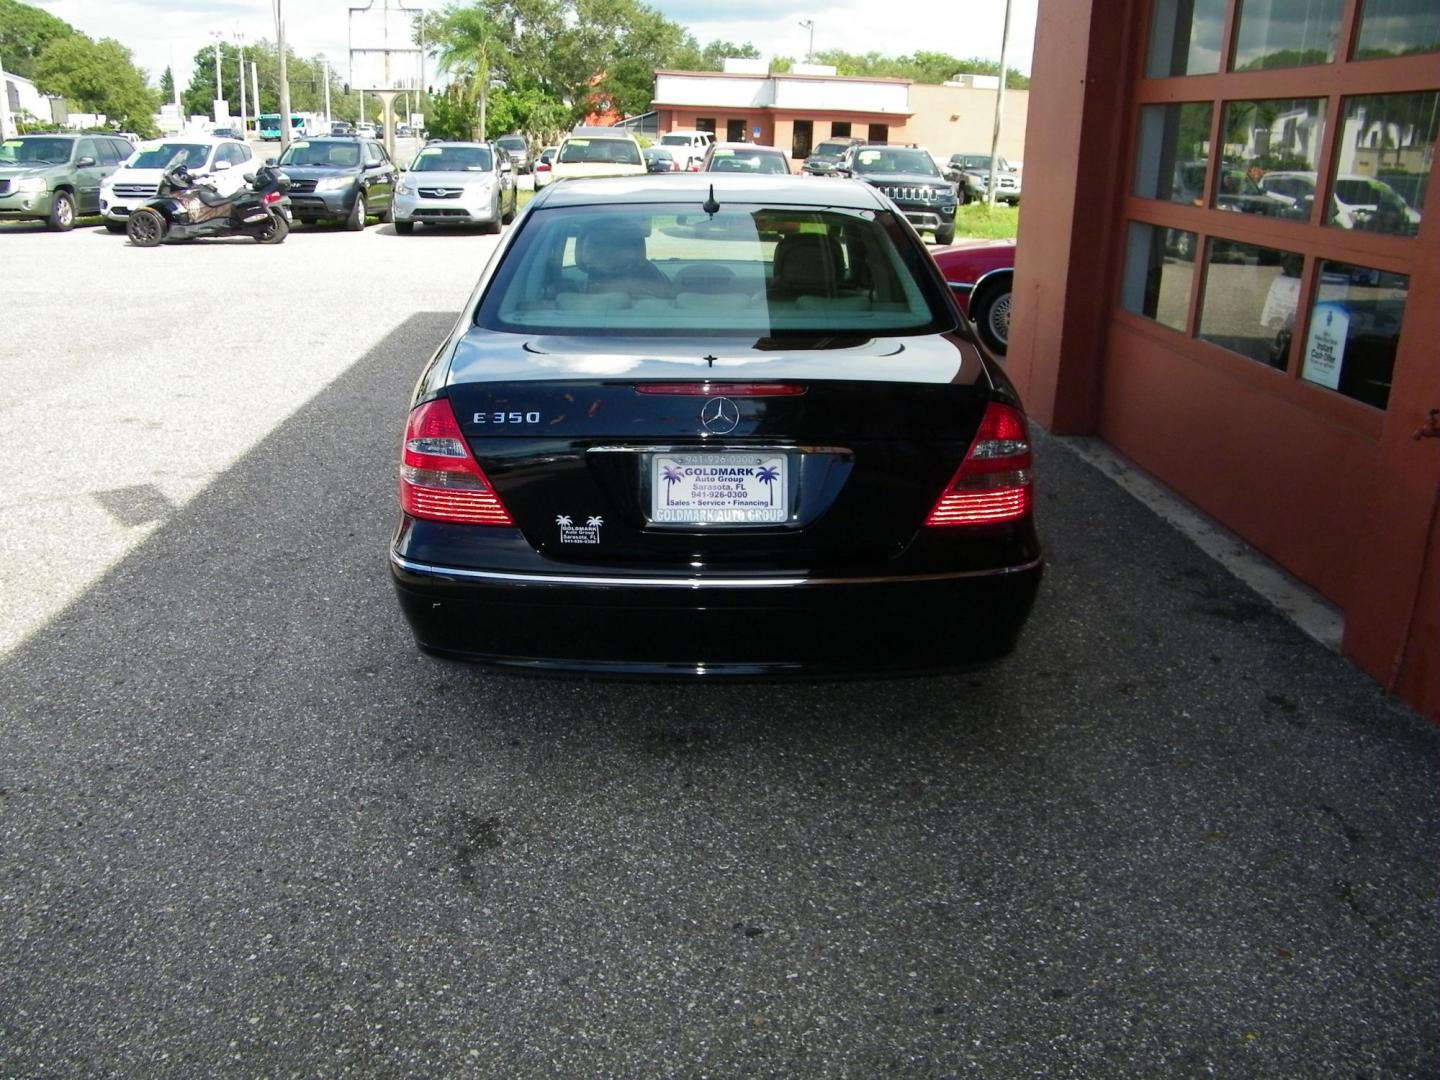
{"x":1185,"y":37}
{"x":1173,"y":152}
{"x":1159,"y":266}
{"x":1286,"y":33}
{"x":1382,"y":162}
{"x":1398,"y":27}
{"x":1272,"y":149}
{"x":1354,"y":329}
{"x":1250,"y":298}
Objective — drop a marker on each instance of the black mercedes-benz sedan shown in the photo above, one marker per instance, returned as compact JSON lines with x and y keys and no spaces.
{"x":715,"y":426}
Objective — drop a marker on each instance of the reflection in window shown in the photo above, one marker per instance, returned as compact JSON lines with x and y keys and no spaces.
{"x":1173,"y":152}
{"x":1159,"y":266}
{"x":1272,"y":148}
{"x":1354,"y":330}
{"x":1251,"y":294}
{"x":1398,"y":28}
{"x":1185,"y":38}
{"x":1382,"y":162}
{"x":1286,"y":33}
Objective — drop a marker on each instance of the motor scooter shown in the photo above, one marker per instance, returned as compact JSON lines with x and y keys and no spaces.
{"x":184,"y":209}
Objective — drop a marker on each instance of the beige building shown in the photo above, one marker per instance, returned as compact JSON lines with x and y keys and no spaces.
{"x":810,"y":104}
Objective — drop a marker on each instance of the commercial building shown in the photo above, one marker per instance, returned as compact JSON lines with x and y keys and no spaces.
{"x":1239,"y":284}
{"x":810,"y":104}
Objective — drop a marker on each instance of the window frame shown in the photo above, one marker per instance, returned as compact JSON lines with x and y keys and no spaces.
{"x":1336,"y":82}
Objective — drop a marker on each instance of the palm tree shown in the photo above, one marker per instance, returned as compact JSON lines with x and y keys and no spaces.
{"x":564,"y":521}
{"x":594,"y":522}
{"x":673,"y":476}
{"x":469,"y":46}
{"x":767,"y":475}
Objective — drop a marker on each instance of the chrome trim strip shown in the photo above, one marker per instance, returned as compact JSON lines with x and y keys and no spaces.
{"x":961,"y":286}
{"x":991,"y":273}
{"x":718,"y":448}
{"x":692,"y":582}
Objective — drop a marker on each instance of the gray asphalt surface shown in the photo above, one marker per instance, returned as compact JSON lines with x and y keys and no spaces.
{"x":246,"y":829}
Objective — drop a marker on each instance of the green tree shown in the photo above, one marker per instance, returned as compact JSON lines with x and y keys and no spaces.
{"x":25,"y":31}
{"x":98,"y":77}
{"x":470,"y":47}
{"x":167,"y":85}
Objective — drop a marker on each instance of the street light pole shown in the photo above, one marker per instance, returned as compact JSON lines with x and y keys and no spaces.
{"x":326,"y":61}
{"x":999,"y":111}
{"x":284,"y":76}
{"x":219,"y":93}
{"x":809,"y":24}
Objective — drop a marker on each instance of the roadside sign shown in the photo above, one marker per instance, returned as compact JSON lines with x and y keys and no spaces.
{"x":383,"y":51}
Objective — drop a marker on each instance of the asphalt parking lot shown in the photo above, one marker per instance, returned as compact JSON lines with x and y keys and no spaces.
{"x":246,"y":829}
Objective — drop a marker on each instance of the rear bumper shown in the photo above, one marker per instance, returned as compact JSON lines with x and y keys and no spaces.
{"x":736,"y":626}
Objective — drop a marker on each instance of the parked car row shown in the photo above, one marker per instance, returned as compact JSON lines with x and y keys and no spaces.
{"x":338,"y":179}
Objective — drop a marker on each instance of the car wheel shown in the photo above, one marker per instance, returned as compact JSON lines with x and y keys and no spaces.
{"x":388,"y":216}
{"x":514,"y":206}
{"x":356,"y":221}
{"x":62,"y":212}
{"x":945,"y":235}
{"x":115,"y":226}
{"x":991,"y":311}
{"x":146,"y":228}
{"x":404,"y":228}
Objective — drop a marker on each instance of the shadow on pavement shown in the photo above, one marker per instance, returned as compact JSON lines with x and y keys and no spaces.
{"x":247,"y":827}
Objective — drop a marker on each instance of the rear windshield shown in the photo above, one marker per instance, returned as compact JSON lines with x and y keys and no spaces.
{"x":339,"y":154}
{"x":752,"y":161}
{"x":36,"y":151}
{"x":453,"y":159}
{"x":830,"y":149}
{"x":676,"y":140}
{"x":895,"y":160}
{"x":512,"y":143}
{"x":598,"y":151}
{"x":162,"y":157}
{"x":746,"y":271}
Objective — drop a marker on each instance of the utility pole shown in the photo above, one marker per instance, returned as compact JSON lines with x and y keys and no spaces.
{"x":809,"y":24}
{"x":326,"y":61}
{"x":999,"y":111}
{"x":255,"y":92}
{"x":244,"y":120}
{"x":284,"y":76}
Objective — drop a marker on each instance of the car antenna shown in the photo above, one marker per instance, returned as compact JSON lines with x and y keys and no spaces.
{"x":710,"y":206}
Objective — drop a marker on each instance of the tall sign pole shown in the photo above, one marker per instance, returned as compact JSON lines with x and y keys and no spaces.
{"x":244,"y":119}
{"x":255,"y":91}
{"x":284,"y":77}
{"x":999,"y":111}
{"x":326,"y":62}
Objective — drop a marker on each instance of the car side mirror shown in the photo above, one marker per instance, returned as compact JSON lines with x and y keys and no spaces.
{"x":220,"y":166}
{"x":841,"y":170}
{"x":84,"y":162}
{"x":271,"y":162}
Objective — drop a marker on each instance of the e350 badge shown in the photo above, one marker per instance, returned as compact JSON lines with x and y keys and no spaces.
{"x":570,"y":533}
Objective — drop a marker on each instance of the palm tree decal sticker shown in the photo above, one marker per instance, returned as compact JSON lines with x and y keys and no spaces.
{"x":564,"y":521}
{"x":767,"y":475}
{"x":594,"y":522}
{"x":673,"y":476}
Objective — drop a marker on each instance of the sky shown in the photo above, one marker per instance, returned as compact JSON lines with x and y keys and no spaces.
{"x":156,"y":30}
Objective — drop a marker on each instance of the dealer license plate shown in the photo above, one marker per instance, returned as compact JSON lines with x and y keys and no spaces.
{"x":732,"y":489}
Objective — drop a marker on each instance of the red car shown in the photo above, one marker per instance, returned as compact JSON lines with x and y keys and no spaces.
{"x":979,"y":273}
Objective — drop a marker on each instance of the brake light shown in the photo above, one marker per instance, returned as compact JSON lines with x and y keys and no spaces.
{"x":544,"y":166}
{"x":708,"y":389}
{"x":439,"y":476}
{"x":271,"y":198}
{"x":993,"y":483}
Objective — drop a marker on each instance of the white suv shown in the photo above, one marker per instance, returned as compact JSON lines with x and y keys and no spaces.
{"x":688,"y":147}
{"x":221,"y":163}
{"x":598,"y":151}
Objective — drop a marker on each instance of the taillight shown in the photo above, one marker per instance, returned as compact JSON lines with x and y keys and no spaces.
{"x":439,"y":476}
{"x":993,"y":483}
{"x":544,"y":166}
{"x":271,"y":198}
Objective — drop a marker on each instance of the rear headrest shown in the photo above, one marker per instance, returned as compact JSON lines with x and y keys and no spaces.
{"x":809,"y":263}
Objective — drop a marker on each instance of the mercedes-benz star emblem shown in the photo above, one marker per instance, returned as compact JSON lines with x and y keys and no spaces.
{"x":720,"y":416}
